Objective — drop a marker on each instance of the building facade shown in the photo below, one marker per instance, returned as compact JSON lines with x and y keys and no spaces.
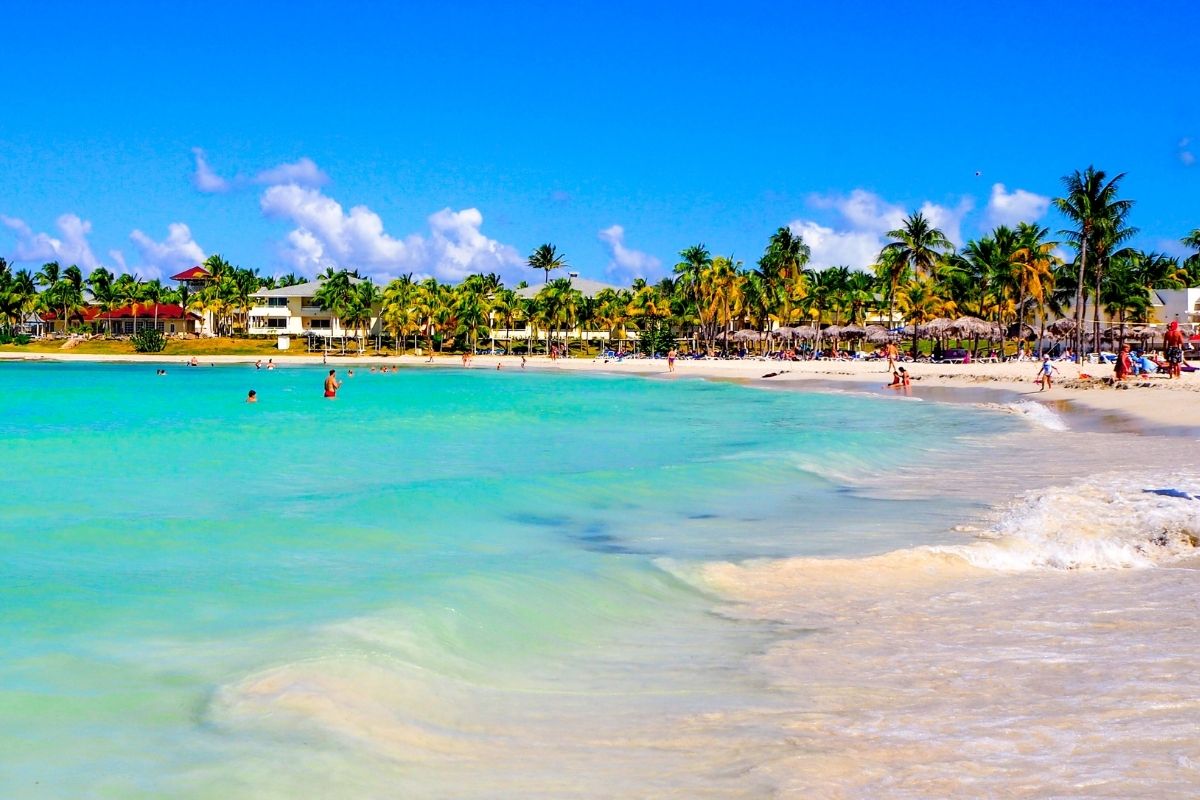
{"x":293,"y":311}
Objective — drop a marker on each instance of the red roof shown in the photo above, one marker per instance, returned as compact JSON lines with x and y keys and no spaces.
{"x":87,"y":314}
{"x":192,"y":274}
{"x":144,"y":311}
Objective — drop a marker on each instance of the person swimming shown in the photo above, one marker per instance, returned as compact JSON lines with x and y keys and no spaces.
{"x":252,"y":397}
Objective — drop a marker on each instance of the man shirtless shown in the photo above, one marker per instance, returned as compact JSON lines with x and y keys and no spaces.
{"x":332,"y":384}
{"x":1173,"y":343}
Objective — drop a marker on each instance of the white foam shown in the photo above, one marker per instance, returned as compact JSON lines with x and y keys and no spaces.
{"x":1112,"y":521}
{"x":1035,"y":413}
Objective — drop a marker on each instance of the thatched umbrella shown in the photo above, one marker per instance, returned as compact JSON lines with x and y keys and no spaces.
{"x":747,"y":335}
{"x":937,"y":327}
{"x":853,"y":332}
{"x":966,"y":327}
{"x":877,"y":334}
{"x":785,"y":332}
{"x":806,"y":332}
{"x":832,"y":331}
{"x":1061,"y":328}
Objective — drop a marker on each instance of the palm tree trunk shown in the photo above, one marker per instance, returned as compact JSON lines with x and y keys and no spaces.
{"x":1079,"y":300}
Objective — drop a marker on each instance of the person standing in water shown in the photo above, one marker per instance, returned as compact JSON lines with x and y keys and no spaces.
{"x":332,"y":384}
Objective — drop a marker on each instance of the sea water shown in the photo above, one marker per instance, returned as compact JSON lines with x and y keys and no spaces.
{"x":471,"y":583}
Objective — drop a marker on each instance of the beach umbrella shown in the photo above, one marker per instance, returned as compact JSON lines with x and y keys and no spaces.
{"x":853,"y":332}
{"x":806,"y":332}
{"x":784,"y":332}
{"x":937,"y":327}
{"x":832,"y":331}
{"x":965,"y":327}
{"x":747,"y":335}
{"x":1061,"y":328}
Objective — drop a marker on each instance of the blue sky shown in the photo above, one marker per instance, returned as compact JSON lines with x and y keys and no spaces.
{"x":443,"y":139}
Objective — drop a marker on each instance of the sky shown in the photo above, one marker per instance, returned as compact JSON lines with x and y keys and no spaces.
{"x":446,"y":139}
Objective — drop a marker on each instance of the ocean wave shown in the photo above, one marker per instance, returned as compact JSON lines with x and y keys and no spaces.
{"x":1104,"y":522}
{"x":1113,"y":521}
{"x":1037,"y":414}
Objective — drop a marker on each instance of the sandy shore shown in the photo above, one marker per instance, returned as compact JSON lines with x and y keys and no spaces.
{"x":1157,"y":402}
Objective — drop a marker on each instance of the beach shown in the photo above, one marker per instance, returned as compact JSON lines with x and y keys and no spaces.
{"x":591,"y":579}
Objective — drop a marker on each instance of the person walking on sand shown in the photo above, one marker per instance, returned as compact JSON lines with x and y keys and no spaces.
{"x":891,"y":352}
{"x":1044,"y":374}
{"x":1124,"y":363}
{"x":671,"y":354}
{"x":332,"y":384}
{"x":1173,"y":342}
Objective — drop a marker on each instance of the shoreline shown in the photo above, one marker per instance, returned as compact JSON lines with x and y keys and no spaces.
{"x":1148,"y":405}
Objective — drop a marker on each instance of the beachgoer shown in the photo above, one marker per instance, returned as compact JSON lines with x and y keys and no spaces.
{"x":332,"y":384}
{"x":349,"y":373}
{"x":252,"y":397}
{"x":905,"y":378}
{"x":671,"y":354}
{"x":258,"y":364}
{"x":1044,"y":374}
{"x":193,"y":362}
{"x":897,"y":381}
{"x":270,"y":363}
{"x":1173,"y":342}
{"x":522,"y":362}
{"x":1124,"y":363}
{"x":891,"y":352}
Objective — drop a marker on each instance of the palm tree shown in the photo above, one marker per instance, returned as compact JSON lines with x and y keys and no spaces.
{"x":1090,"y":201}
{"x":546,"y":258}
{"x":916,"y":246}
{"x":782,"y":268}
{"x":1033,"y":267}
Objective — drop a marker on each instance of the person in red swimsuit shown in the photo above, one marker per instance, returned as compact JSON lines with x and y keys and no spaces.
{"x":332,"y":384}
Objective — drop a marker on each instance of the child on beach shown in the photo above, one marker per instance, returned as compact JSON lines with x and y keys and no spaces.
{"x":1044,"y":374}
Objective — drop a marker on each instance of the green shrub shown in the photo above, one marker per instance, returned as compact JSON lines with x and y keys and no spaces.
{"x":148,"y":340}
{"x":656,"y":339}
{"x":14,"y":338}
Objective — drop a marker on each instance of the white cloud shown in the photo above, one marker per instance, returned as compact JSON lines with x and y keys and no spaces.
{"x":1185,"y":154}
{"x":302,"y":172}
{"x":1009,"y":208}
{"x":833,"y":248}
{"x":326,"y":235}
{"x":625,"y":262}
{"x":864,"y":218}
{"x":178,"y":251}
{"x":204,"y":178}
{"x":70,"y":246}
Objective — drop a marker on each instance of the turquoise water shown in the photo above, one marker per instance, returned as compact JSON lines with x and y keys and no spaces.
{"x":443,"y":583}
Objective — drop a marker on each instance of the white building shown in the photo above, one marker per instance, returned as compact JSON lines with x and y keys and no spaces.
{"x":1181,"y":305}
{"x":293,"y":311}
{"x":522,"y":330}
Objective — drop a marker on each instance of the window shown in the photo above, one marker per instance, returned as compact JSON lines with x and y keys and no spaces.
{"x":323,"y":324}
{"x":277,"y":302}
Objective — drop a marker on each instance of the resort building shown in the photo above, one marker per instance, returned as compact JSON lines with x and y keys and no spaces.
{"x":194,"y":279}
{"x":1178,"y":305}
{"x":167,"y":318}
{"x":521,"y":329}
{"x":293,"y":311}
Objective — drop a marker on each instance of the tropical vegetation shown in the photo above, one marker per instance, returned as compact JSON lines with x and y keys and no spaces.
{"x":1013,"y":279}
